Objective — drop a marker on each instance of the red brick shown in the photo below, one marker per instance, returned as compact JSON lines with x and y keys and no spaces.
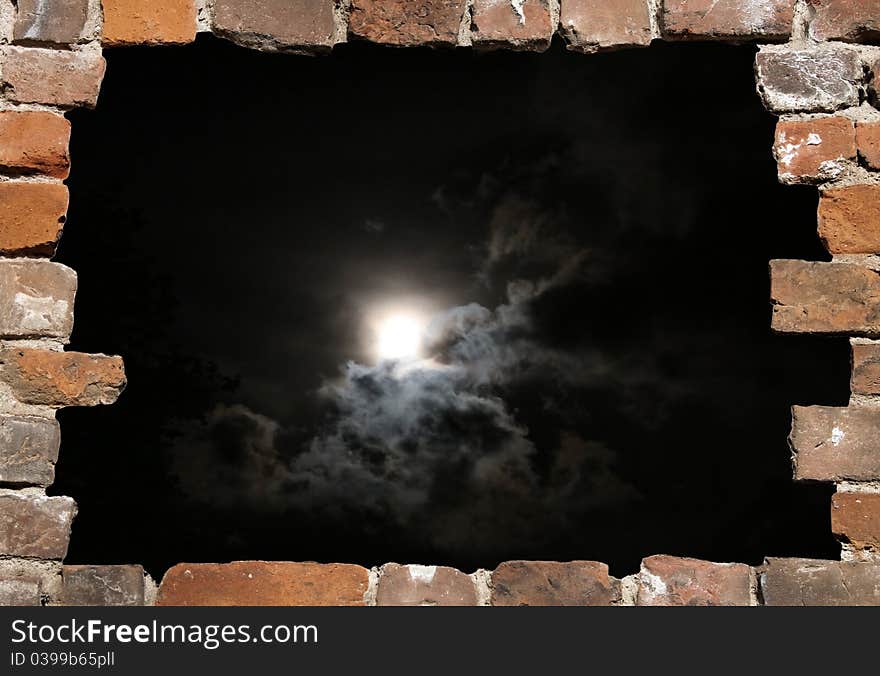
{"x":28,"y":450}
{"x":59,"y":22}
{"x":32,"y":216}
{"x":722,"y":19}
{"x":848,"y":20}
{"x":810,"y":297}
{"x":868,"y":141}
{"x":855,"y":518}
{"x":263,"y":583}
{"x":865,"y":369}
{"x":282,"y":24}
{"x":809,"y":80}
{"x":36,"y":299}
{"x":500,"y":23}
{"x":406,"y":23}
{"x":53,"y":77}
{"x":102,"y":586}
{"x":835,"y":443}
{"x":812,"y":582}
{"x":149,"y":22}
{"x":673,"y":581}
{"x":849,"y":219}
{"x":35,"y":526}
{"x":591,"y":25}
{"x":34,"y":143}
{"x":424,"y":586}
{"x":549,"y":583}
{"x":59,"y":379}
{"x":810,"y":150}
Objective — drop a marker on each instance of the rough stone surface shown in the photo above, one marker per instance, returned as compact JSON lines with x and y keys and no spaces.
{"x":405,"y":23}
{"x":19,"y":592}
{"x":102,"y":586}
{"x":35,"y":526}
{"x":812,"y":582}
{"x":592,"y":25}
{"x":855,"y":518}
{"x":133,"y":22}
{"x":52,"y":77}
{"x":31,"y":217}
{"x":868,"y":141}
{"x":263,"y":583}
{"x":809,"y":80}
{"x":62,"y":378}
{"x":36,"y":299}
{"x":59,"y":22}
{"x":849,"y":219}
{"x":811,"y":297}
{"x":848,"y":20}
{"x":34,"y":143}
{"x":550,"y":583}
{"x":721,"y":19}
{"x":865,"y":369}
{"x":28,"y":450}
{"x":512,"y":25}
{"x":835,"y":443}
{"x":812,"y":150}
{"x":424,"y":586}
{"x":673,"y":581}
{"x":279,"y":24}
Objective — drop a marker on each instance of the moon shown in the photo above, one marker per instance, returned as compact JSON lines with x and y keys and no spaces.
{"x":399,"y":337}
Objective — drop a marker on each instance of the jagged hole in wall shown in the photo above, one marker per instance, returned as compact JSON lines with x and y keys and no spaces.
{"x":438,"y":307}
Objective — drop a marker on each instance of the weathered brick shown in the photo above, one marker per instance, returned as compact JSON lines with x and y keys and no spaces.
{"x":848,"y":20}
{"x":53,"y":77}
{"x":849,"y":219}
{"x":725,"y":19}
{"x":674,"y":581}
{"x":19,"y":592}
{"x":592,"y":25}
{"x":59,"y":22}
{"x":279,"y":24}
{"x":102,"y":586}
{"x":865,"y":369}
{"x":550,"y":583}
{"x":855,"y":518}
{"x":424,"y":586}
{"x":811,"y":297}
{"x":868,"y":142}
{"x":263,"y":583}
{"x":149,"y":22}
{"x":32,"y":216}
{"x":835,"y":443}
{"x":36,"y":299}
{"x":525,"y":25}
{"x":809,"y":80}
{"x":811,"y":150}
{"x":35,"y":526}
{"x":34,"y":142}
{"x":62,"y":378}
{"x":28,"y":450}
{"x":405,"y":23}
{"x":812,"y":582}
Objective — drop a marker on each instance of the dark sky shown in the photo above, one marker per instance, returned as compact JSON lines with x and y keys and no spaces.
{"x":586,"y":236}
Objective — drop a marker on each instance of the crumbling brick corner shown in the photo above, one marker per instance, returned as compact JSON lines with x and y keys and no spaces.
{"x":816,"y":68}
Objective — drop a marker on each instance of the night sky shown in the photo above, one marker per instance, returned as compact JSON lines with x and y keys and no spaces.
{"x":580,"y":243}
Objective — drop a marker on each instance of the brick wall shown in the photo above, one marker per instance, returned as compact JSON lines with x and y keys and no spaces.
{"x":815,"y":68}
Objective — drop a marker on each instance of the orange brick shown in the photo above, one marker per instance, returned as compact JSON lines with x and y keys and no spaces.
{"x":263,"y":583}
{"x":34,"y":143}
{"x":139,"y":22}
{"x":868,"y":141}
{"x":855,"y":517}
{"x":849,"y":219}
{"x":31,"y":217}
{"x":810,"y":149}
